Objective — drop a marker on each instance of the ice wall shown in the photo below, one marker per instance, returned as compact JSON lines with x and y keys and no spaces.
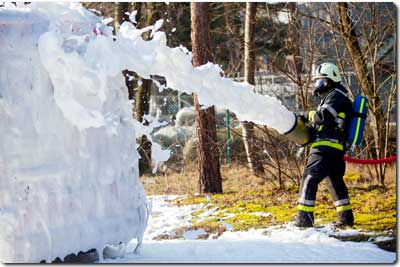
{"x":68,"y":164}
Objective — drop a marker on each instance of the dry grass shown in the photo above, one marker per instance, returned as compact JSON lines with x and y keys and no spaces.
{"x":359,"y":174}
{"x":237,"y":178}
{"x":171,"y":182}
{"x":234,"y":179}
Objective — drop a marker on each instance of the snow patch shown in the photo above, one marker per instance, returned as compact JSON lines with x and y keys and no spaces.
{"x":193,"y":234}
{"x":278,"y":244}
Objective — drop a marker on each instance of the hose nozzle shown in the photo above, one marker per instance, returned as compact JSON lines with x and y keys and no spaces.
{"x":300,"y":133}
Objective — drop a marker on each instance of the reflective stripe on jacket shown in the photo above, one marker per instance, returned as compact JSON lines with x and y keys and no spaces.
{"x":331,"y":120}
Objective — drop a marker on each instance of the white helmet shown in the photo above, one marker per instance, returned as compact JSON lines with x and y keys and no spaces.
{"x":328,"y":70}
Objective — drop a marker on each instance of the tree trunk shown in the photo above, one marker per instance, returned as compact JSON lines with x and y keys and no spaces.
{"x":119,"y":14}
{"x":142,"y":103}
{"x":346,"y":27}
{"x":142,"y":95}
{"x":210,"y":180}
{"x":255,"y":164}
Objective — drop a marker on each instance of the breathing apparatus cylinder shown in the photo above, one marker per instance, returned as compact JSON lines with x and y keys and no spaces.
{"x":300,"y":133}
{"x":357,"y":122}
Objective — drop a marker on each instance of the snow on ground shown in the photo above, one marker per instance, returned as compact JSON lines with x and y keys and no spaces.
{"x":286,"y":244}
{"x":165,"y":217}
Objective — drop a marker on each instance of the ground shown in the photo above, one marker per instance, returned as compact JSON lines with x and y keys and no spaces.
{"x":249,"y":203}
{"x":253,"y":222}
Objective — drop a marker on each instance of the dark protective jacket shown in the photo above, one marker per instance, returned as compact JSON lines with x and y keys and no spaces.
{"x":330,"y":122}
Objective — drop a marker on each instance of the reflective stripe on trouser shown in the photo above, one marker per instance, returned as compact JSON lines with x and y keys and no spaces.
{"x":343,"y":208}
{"x":307,"y":193}
{"x":342,"y":204}
{"x":305,"y":208}
{"x":340,"y":195}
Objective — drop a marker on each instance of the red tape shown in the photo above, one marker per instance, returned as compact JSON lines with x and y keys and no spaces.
{"x":370,"y":161}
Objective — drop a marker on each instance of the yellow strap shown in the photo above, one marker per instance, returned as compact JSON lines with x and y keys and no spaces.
{"x":327,"y":143}
{"x":343,"y":208}
{"x":342,"y":115}
{"x":305,"y":208}
{"x":358,"y":122}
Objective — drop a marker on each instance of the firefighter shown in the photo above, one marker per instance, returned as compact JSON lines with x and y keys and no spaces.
{"x":325,"y":161}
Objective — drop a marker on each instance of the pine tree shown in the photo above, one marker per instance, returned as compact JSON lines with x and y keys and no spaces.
{"x":207,"y":149}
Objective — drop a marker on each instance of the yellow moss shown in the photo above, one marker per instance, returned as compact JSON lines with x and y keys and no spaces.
{"x":245,"y":221}
{"x":352,"y":176}
{"x":198,"y":212}
{"x":212,"y":225}
{"x":243,"y":207}
{"x":191,"y":201}
{"x":375,"y":222}
{"x":374,"y":207}
{"x":282,"y":213}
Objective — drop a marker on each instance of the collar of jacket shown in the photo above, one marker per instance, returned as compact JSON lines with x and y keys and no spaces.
{"x":337,"y":86}
{"x":340,"y":87}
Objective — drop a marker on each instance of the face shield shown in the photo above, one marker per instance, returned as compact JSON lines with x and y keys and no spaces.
{"x":320,"y":86}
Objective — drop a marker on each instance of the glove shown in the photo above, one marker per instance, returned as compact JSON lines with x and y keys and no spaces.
{"x":303,"y":116}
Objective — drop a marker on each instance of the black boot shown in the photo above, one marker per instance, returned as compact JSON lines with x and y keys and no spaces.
{"x":304,"y":219}
{"x":345,"y":219}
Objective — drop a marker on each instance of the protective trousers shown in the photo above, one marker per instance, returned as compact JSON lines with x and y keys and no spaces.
{"x":319,"y":167}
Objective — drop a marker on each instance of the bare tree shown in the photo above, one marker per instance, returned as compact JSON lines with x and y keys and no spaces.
{"x":367,"y":62}
{"x":290,"y":56}
{"x":208,"y":154}
{"x":253,"y":161}
{"x":234,"y":40}
{"x":360,"y":38}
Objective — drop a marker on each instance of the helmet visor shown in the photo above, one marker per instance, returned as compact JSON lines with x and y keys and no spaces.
{"x":320,"y":84}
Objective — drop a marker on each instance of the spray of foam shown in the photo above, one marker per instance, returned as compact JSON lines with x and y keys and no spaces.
{"x":102,"y":54}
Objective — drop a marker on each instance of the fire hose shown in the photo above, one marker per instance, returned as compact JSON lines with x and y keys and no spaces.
{"x":370,"y":161}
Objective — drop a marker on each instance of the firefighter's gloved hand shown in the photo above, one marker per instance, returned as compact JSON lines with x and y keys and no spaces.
{"x":303,"y":116}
